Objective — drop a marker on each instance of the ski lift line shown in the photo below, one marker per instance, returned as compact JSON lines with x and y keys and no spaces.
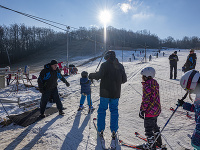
{"x":31,"y":16}
{"x":167,"y":81}
{"x":40,"y":20}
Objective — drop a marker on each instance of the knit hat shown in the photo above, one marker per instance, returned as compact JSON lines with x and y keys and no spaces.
{"x":53,"y":62}
{"x":175,"y":52}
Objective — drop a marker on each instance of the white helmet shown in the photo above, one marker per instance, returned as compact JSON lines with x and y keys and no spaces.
{"x":190,"y":79}
{"x":148,"y":71}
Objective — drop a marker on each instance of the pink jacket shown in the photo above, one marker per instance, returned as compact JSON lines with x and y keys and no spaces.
{"x":150,"y":99}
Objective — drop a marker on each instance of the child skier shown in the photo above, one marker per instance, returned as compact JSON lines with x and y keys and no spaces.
{"x":150,"y":107}
{"x":85,"y":91}
{"x":191,"y":82}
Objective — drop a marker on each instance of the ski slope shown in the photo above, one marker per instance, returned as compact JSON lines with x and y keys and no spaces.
{"x":75,"y":130}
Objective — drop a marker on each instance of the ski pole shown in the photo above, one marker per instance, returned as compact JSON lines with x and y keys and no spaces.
{"x":168,"y":121}
{"x":100,"y":60}
{"x":90,"y":108}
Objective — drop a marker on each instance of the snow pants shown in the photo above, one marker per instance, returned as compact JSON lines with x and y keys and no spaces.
{"x":150,"y":125}
{"x":82,"y":100}
{"x":45,"y":98}
{"x":173,"y":66}
{"x":103,"y":106}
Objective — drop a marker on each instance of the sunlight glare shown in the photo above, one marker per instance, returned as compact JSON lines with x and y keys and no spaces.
{"x":105,"y":16}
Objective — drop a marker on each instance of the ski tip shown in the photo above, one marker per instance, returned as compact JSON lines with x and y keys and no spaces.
{"x":94,"y":118}
{"x":136,"y":133}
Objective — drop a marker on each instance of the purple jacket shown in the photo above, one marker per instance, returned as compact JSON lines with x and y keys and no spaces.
{"x":150,"y":99}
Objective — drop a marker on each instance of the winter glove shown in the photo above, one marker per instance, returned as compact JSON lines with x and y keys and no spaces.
{"x":91,"y":76}
{"x":67,"y":84}
{"x":141,"y":114}
{"x":180,"y":102}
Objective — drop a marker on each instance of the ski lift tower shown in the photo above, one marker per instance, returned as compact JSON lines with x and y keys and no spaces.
{"x":68,"y":27}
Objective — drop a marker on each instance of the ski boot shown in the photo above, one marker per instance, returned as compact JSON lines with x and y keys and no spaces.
{"x":113,"y":141}
{"x":91,"y":109}
{"x":61,"y":112}
{"x":80,"y":107}
{"x":159,"y":140}
{"x":150,"y":141}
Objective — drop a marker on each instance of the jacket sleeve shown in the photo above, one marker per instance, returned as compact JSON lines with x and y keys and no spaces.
{"x":145,"y":97}
{"x":98,"y":75}
{"x":60,"y":76}
{"x":188,"y":106}
{"x":124,"y":77}
{"x":40,"y":80}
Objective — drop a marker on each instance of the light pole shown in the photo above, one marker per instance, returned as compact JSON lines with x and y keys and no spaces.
{"x":68,"y":27}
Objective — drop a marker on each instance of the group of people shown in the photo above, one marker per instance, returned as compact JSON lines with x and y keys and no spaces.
{"x":112,"y":75}
{"x":189,"y":64}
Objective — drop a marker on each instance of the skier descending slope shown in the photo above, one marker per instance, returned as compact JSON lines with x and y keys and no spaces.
{"x":112,"y":75}
{"x":191,"y":81}
{"x":150,"y":107}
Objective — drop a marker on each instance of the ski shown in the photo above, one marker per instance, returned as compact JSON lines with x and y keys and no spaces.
{"x":101,"y":138}
{"x":143,"y":138}
{"x":180,"y":112}
{"x":128,"y":145}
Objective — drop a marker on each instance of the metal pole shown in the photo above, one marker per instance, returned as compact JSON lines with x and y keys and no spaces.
{"x":68,"y":27}
{"x":145,"y":53}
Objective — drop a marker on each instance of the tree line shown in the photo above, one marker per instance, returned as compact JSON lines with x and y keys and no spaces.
{"x":18,"y":40}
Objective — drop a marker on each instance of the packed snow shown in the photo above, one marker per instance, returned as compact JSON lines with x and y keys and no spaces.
{"x":75,"y":130}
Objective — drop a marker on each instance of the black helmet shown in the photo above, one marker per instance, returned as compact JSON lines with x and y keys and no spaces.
{"x":84,"y":74}
{"x":110,"y":55}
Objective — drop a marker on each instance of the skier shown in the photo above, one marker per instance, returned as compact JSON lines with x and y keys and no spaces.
{"x":190,"y":62}
{"x":191,"y":82}
{"x":85,"y":91}
{"x":47,"y":83}
{"x":112,"y":75}
{"x":150,"y":107}
{"x":173,"y":59}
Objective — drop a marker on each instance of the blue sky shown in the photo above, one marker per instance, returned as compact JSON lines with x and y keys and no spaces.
{"x":176,"y":18}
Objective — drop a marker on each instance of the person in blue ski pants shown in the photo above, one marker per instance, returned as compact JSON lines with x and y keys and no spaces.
{"x":112,"y":75}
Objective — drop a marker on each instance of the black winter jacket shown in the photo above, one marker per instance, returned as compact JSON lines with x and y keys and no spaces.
{"x":173,"y":59}
{"x":112,"y":75}
{"x":48,"y":78}
{"x":190,"y":62}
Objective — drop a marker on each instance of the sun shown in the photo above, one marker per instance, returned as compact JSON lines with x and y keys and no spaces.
{"x":105,"y":16}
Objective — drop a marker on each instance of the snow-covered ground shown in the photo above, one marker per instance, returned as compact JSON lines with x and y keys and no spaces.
{"x":72,"y":131}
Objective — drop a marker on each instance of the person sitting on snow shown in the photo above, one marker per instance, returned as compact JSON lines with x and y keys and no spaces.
{"x":190,"y":81}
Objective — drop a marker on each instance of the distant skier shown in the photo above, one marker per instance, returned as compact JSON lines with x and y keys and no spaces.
{"x":150,"y":107}
{"x":190,"y":81}
{"x":47,"y":83}
{"x":173,"y":59}
{"x":85,"y":91}
{"x":190,"y":62}
{"x":112,"y":75}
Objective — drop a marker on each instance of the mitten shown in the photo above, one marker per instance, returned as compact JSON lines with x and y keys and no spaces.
{"x":141,"y":114}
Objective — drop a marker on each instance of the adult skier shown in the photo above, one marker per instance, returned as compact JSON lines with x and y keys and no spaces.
{"x":190,"y":81}
{"x":173,"y":59}
{"x":190,"y":62}
{"x":112,"y":75}
{"x":47,"y":83}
